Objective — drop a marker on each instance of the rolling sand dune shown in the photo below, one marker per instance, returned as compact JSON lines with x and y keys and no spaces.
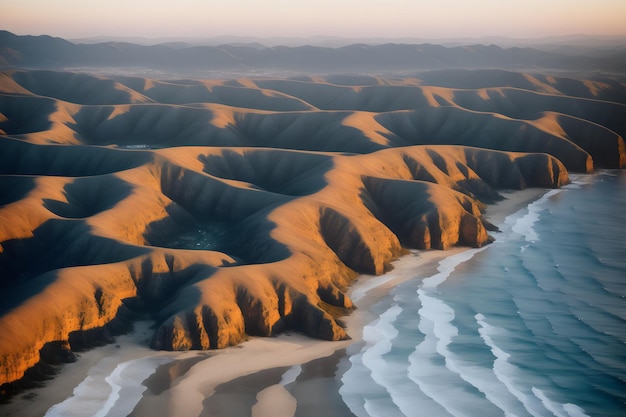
{"x":223,"y":209}
{"x":602,"y":88}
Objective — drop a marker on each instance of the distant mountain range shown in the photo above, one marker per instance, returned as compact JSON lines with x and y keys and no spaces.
{"x":578,"y":41}
{"x":56,"y":53}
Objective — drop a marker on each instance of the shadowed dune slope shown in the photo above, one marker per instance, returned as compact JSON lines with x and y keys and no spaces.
{"x":602,"y":88}
{"x":227,"y":208}
{"x":527,"y":115}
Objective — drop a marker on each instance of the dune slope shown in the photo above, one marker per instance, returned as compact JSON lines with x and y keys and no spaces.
{"x":228,"y":208}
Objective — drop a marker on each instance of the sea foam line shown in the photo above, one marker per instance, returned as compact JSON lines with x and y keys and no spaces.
{"x":291,"y":375}
{"x":353,"y":389}
{"x":448,"y":265}
{"x":436,"y":319}
{"x":379,"y":398}
{"x":444,"y":334}
{"x":504,"y":370}
{"x":525,"y":225}
{"x":439,"y":334}
{"x":371,"y":284}
{"x":369,"y":387}
{"x":429,"y":377}
{"x":123,"y":385}
{"x":559,"y":410}
{"x":436,"y":324}
{"x":378,"y":337}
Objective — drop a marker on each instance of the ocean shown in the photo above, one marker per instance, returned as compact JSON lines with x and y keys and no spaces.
{"x":533,"y":324}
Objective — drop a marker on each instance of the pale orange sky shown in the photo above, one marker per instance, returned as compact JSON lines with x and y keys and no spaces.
{"x":292,"y":18}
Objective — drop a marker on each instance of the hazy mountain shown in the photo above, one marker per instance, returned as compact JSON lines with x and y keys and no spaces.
{"x":545,"y":42}
{"x":48,"y":52}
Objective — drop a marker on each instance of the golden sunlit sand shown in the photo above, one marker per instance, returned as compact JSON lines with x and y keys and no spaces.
{"x":298,"y":185}
{"x":184,"y":391}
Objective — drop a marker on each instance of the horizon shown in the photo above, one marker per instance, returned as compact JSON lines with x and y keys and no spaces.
{"x":395,"y":19}
{"x":322,"y":39}
{"x":200,"y":208}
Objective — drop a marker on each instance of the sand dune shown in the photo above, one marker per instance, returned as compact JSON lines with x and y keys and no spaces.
{"x":230,"y":92}
{"x":77,"y":88}
{"x":223,"y":209}
{"x":356,"y":119}
{"x":603,"y":88}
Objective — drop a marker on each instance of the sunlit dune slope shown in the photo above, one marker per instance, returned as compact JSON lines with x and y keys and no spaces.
{"x":231,"y":208}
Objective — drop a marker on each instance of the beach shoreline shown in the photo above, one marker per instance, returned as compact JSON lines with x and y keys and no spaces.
{"x":183,"y":391}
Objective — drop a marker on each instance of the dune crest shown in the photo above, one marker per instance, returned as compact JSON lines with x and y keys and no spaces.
{"x":226,"y":209}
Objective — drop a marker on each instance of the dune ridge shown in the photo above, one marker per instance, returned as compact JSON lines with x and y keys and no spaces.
{"x":225,"y":209}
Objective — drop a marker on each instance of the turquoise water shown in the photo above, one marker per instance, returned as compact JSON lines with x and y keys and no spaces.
{"x":531,"y":325}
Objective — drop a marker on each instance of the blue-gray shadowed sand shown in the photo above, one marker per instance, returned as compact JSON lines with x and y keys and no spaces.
{"x":291,"y":186}
{"x":236,"y":398}
{"x":315,"y":389}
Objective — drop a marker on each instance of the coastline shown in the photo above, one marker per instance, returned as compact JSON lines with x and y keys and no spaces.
{"x":184,"y":381}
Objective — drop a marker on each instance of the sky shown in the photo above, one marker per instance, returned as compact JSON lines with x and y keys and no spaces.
{"x":295,"y":18}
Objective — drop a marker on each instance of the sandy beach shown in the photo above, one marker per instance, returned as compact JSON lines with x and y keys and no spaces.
{"x":252,"y":205}
{"x":249,"y":378}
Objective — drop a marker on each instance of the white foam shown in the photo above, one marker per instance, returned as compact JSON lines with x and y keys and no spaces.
{"x":362,"y":290}
{"x":378,"y":337}
{"x":452,"y":395}
{"x":379,"y":333}
{"x":579,"y":180}
{"x":276,"y":400}
{"x":381,"y":407}
{"x":436,"y":318}
{"x":434,"y":380}
{"x":429,"y":387}
{"x":549,"y":405}
{"x":374,"y":386}
{"x":524,"y":225}
{"x":92,"y":397}
{"x":291,"y":375}
{"x":114,"y":381}
{"x":357,"y":386}
{"x":504,"y":371}
{"x":558,"y":409}
{"x":103,"y":394}
{"x":448,"y":265}
{"x":574,"y":411}
{"x":392,"y":394}
{"x":442,"y":384}
{"x":403,"y":269}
